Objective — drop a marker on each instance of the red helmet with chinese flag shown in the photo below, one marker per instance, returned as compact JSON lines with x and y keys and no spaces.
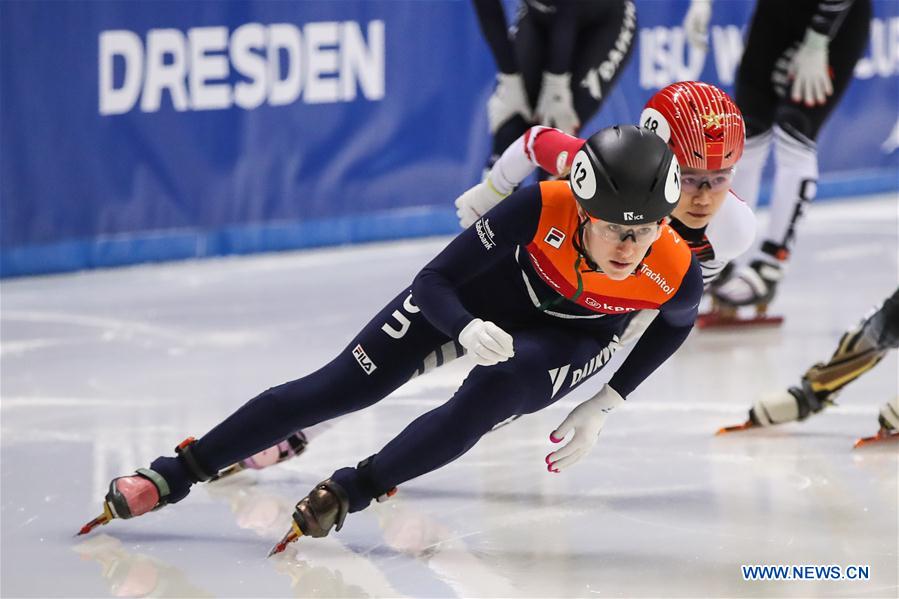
{"x":701,"y":124}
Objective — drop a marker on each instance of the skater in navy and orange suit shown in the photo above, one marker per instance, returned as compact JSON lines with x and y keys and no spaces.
{"x":540,"y":285}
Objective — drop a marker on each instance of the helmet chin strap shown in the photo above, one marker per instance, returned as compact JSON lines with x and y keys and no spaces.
{"x":580,"y":244}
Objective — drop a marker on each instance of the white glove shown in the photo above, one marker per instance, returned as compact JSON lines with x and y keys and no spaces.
{"x":696,"y":23}
{"x":486,"y":342}
{"x":474,"y":203}
{"x":555,"y":106}
{"x":508,"y":99}
{"x":809,"y":70}
{"x":586,"y":420}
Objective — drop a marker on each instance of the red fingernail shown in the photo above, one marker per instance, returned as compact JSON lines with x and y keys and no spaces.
{"x":547,"y":458}
{"x":553,"y":439}
{"x":549,"y":467}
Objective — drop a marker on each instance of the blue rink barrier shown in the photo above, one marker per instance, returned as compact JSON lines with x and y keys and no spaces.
{"x":146,"y":131}
{"x":186,"y":244}
{"x":393,"y":225}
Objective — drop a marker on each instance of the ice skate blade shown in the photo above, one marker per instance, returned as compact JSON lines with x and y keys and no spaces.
{"x":292,"y":535}
{"x":100,"y":520}
{"x":882,"y":436}
{"x":713,"y":320}
{"x":737,"y":427}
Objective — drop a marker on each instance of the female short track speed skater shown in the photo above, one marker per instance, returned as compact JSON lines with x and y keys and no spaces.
{"x":536,"y":291}
{"x":704,"y":129}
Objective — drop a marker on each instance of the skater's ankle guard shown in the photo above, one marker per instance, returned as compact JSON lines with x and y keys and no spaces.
{"x":808,"y":401}
{"x":368,"y":484}
{"x":196,"y":472}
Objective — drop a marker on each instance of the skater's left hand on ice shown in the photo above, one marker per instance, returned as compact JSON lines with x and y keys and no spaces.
{"x":586,"y":420}
{"x":555,"y":106}
{"x":809,"y":70}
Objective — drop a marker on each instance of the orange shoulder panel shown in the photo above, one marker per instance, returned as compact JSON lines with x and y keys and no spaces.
{"x":554,"y":257}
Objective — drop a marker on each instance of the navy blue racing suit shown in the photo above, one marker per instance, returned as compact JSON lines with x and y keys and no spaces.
{"x":483,"y":273}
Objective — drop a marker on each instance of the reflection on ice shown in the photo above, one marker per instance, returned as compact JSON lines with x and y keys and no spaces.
{"x":131,"y":574}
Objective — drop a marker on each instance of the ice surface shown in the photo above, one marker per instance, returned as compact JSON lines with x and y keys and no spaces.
{"x":102,"y":371}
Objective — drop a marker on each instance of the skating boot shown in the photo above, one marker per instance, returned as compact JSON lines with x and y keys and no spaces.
{"x":328,"y":504}
{"x":144,"y":491}
{"x":317,"y":513}
{"x":794,"y":404}
{"x":291,"y":447}
{"x":889,"y":425}
{"x":753,"y":285}
{"x":856,"y":354}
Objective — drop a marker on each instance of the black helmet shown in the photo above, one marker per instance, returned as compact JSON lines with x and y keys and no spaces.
{"x":626,"y":175}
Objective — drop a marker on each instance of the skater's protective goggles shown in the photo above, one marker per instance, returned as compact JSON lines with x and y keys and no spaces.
{"x":714,"y":180}
{"x":616,"y":233}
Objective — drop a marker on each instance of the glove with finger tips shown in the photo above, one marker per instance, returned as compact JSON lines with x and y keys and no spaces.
{"x":555,"y":106}
{"x":477,"y":201}
{"x":586,"y":422}
{"x":810,"y":71}
{"x":487,"y":343}
{"x":696,"y":23}
{"x":508,"y":99}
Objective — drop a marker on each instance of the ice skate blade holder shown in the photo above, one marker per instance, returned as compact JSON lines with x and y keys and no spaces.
{"x":723,"y":316}
{"x":292,"y":535}
{"x":749,"y":424}
{"x":105,"y":518}
{"x":881,"y":438}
